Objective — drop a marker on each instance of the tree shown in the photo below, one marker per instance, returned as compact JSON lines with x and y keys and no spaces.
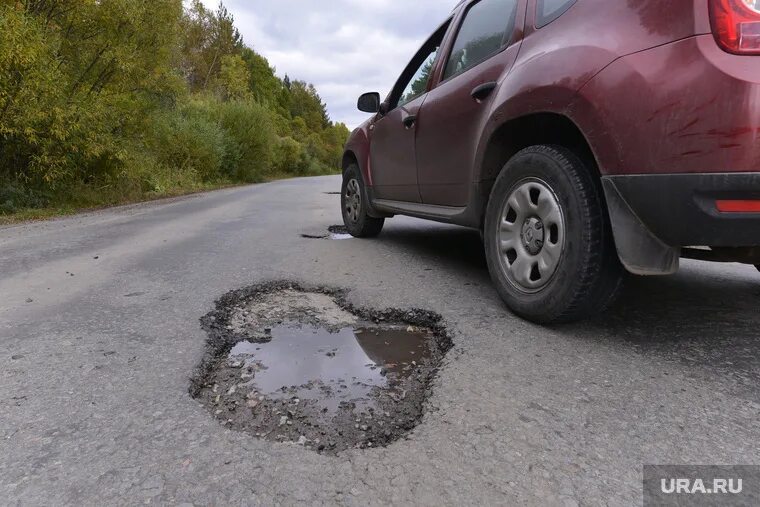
{"x":263,"y":82}
{"x":234,"y":78}
{"x":334,"y":138}
{"x":306,"y":103}
{"x":207,"y":38}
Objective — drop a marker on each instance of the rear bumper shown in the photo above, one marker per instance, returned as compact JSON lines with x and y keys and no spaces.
{"x":680,"y":210}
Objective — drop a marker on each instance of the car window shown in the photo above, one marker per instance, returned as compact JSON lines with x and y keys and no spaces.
{"x":414,"y":80}
{"x":549,"y":10}
{"x":418,"y":84}
{"x":484,"y":32}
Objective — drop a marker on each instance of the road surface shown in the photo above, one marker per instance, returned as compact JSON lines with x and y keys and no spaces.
{"x":99,"y":333}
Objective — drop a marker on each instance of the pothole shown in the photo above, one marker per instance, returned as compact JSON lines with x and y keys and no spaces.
{"x":338,"y":229}
{"x":332,"y":193}
{"x":335,"y":232}
{"x":292,"y":364}
{"x":339,"y":232}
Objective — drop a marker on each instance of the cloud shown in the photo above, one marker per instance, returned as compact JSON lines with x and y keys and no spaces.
{"x":343,"y":47}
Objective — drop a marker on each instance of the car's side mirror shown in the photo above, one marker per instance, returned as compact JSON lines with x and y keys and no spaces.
{"x":369,"y":103}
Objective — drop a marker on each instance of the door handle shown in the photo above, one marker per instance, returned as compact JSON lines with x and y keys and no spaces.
{"x":409,"y":121}
{"x":480,"y":93}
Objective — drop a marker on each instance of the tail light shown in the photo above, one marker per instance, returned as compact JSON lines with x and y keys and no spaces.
{"x":741,"y":206}
{"x":736,"y":25}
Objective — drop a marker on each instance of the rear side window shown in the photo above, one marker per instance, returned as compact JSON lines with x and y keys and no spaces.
{"x":486,"y":29}
{"x":549,"y":10}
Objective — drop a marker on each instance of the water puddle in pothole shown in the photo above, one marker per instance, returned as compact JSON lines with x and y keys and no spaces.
{"x":294,"y":365}
{"x":330,"y":367}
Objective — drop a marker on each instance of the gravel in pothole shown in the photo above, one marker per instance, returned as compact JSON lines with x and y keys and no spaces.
{"x":301,"y":365}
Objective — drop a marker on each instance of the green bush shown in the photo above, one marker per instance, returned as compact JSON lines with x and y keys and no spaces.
{"x":249,"y":129}
{"x":291,"y":157}
{"x":15,"y":197}
{"x":188,"y":142}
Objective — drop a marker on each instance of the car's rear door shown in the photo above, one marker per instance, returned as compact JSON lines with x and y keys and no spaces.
{"x":393,"y":162}
{"x":484,"y":48}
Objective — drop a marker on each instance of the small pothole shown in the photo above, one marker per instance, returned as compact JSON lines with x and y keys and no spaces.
{"x":339,"y":232}
{"x":332,"y":193}
{"x":292,"y":364}
{"x":335,"y":232}
{"x":338,"y":229}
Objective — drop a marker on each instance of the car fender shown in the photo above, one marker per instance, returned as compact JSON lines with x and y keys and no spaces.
{"x":358,"y":148}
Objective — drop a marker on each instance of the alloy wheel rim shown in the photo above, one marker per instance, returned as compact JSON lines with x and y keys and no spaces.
{"x":531,"y":235}
{"x":353,"y":200}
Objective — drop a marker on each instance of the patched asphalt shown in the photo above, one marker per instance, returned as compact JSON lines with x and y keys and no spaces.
{"x":100,"y":334}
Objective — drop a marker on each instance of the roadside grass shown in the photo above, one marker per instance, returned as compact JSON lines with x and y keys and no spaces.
{"x":95,"y":201}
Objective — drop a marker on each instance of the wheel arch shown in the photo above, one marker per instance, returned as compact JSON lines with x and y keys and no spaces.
{"x":518,"y":133}
{"x":357,"y":151}
{"x":529,"y":130}
{"x":350,"y":158}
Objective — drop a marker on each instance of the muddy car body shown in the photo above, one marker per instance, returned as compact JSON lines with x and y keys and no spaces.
{"x":628,"y":129}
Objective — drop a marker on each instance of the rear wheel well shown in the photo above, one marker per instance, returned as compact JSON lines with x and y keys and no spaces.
{"x":542,"y":128}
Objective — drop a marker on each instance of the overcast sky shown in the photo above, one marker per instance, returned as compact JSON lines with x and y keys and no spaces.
{"x":344,"y":47}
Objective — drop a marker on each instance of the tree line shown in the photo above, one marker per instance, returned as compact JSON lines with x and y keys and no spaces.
{"x":108,"y":101}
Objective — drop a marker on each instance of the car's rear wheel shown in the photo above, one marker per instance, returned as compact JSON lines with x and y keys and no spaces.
{"x":354,"y":205}
{"x":548,"y":240}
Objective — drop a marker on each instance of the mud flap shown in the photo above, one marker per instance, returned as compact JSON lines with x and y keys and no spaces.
{"x":640,"y":251}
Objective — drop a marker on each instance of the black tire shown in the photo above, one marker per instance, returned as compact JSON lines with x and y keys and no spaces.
{"x":355,"y":216}
{"x":588,"y":274}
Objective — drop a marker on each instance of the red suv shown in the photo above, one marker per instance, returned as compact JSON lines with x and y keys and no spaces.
{"x":582,"y":137}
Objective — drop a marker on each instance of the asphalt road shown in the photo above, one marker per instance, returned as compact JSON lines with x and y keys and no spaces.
{"x":99,"y":333}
